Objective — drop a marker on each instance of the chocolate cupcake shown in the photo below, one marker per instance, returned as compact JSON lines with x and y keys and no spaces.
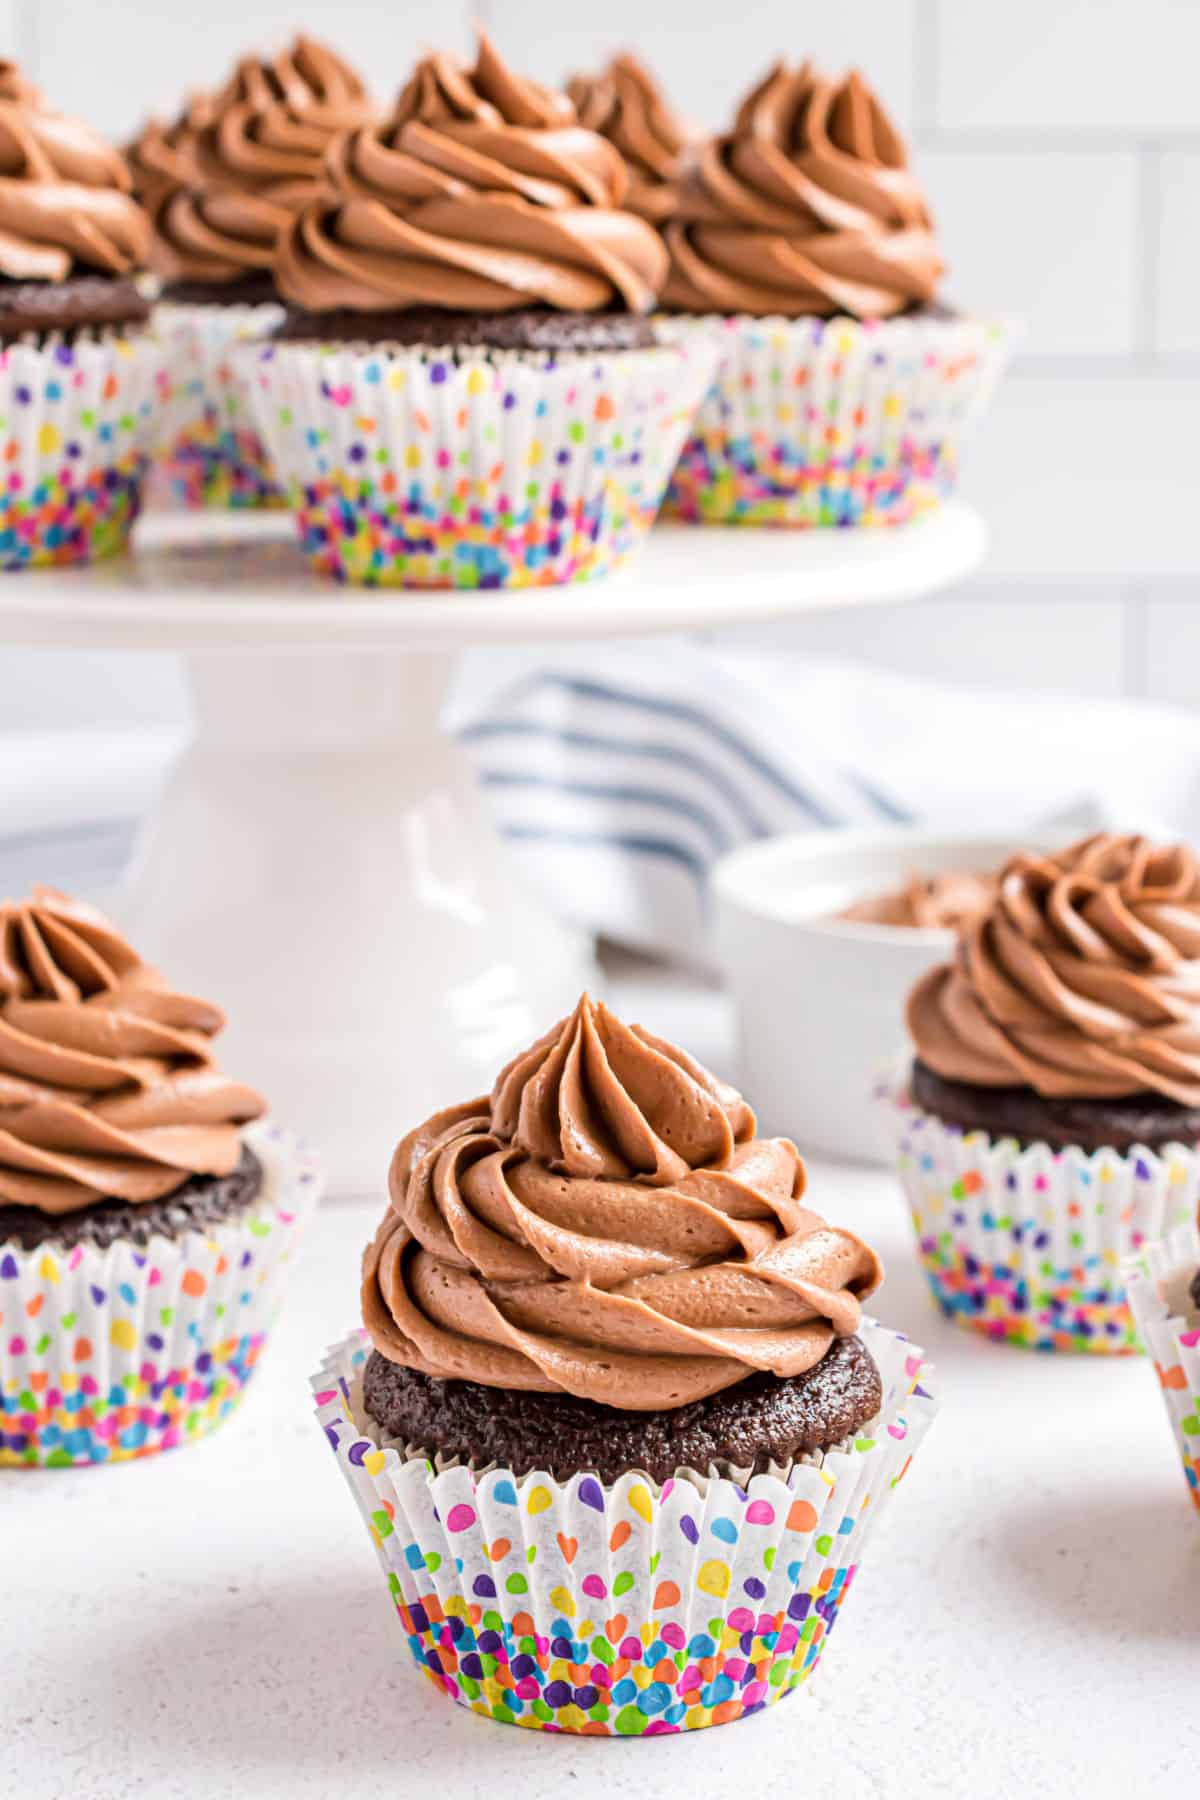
{"x":618,"y":1406}
{"x":625,"y":104}
{"x":801,"y":243}
{"x":467,"y":391}
{"x":79,"y":374}
{"x":1163,"y":1282}
{"x":221,"y":181}
{"x":1049,"y":1124}
{"x":144,"y":1220}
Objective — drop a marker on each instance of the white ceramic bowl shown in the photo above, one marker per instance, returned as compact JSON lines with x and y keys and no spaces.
{"x":818,"y":1000}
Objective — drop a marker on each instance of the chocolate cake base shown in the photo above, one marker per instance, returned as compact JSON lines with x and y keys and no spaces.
{"x":1147,"y":1120}
{"x":253,"y":290}
{"x":537,"y":329}
{"x":762,"y":1420}
{"x":81,"y":303}
{"x":203,"y":1200}
{"x":1194,"y":1290}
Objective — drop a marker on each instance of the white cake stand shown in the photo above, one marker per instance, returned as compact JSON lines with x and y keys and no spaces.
{"x":319,"y":859}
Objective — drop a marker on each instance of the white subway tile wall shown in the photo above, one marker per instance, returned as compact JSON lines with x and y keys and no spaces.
{"x":1061,"y":145}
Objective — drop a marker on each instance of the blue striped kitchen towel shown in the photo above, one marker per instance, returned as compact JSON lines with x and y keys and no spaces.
{"x":620,"y":773}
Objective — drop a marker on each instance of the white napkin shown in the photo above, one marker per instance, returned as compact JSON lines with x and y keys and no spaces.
{"x":620,"y":773}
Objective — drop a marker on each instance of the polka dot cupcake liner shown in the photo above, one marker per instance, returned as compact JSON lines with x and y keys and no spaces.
{"x":815,"y":422}
{"x":212,"y":453}
{"x":627,"y":1608}
{"x":78,"y":422}
{"x":106,"y":1355}
{"x":1027,"y":1246}
{"x":434,"y":470}
{"x":1159,"y":1279}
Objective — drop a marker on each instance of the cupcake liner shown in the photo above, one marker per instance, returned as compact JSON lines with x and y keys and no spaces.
{"x":415,"y":468}
{"x":110,"y":1354}
{"x":831,"y":422}
{"x":79,"y":421}
{"x":213,"y":456}
{"x":1158,"y":1280}
{"x":1026,"y":1246}
{"x":625,"y":1608}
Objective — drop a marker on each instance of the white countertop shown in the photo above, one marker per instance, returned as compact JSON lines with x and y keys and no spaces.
{"x":213,"y":1621}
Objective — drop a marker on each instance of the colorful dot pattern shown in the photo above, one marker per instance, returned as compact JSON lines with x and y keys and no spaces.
{"x":110,"y":1355}
{"x":624,"y":1609}
{"x":1026,"y":1246}
{"x":1159,"y":1279}
{"x":832,"y":423}
{"x":415,"y":470}
{"x":77,"y":422}
{"x":213,"y":455}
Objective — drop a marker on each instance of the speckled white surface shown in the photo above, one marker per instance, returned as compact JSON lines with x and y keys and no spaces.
{"x":213,"y":1622}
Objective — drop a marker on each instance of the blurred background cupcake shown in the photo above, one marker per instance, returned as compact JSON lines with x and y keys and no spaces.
{"x":145,"y":1220}
{"x":79,"y":388}
{"x":467,"y":391}
{"x":1164,"y":1292}
{"x":620,"y":1430}
{"x":802,"y":243}
{"x":1049,"y":1124}
{"x":625,"y":104}
{"x":220,"y":182}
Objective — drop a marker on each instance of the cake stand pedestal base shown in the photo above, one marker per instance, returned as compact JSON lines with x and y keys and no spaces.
{"x":320,"y":860}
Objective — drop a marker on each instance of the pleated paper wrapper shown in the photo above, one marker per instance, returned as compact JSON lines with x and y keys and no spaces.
{"x":111,"y":1354}
{"x":1027,"y":1245}
{"x":1159,"y":1280}
{"x":473,"y":469}
{"x":79,"y":422}
{"x":212,"y":454}
{"x":819,"y":422}
{"x":628,"y":1608}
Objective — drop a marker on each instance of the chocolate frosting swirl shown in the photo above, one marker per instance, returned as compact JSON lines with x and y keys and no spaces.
{"x":625,"y":105}
{"x":108,"y":1087}
{"x":482,"y":192}
{"x":807,"y":206}
{"x":606,"y":1225}
{"x":66,"y":202}
{"x":927,"y":902}
{"x":1082,"y":980}
{"x":225,"y":177}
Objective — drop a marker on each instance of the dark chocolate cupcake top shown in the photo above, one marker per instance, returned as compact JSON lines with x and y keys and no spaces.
{"x":66,"y":195}
{"x":607,"y":1225}
{"x":225,"y":177}
{"x":108,"y":1085}
{"x":806,"y":207}
{"x":1082,"y":979}
{"x":481,"y":192}
{"x":625,"y":104}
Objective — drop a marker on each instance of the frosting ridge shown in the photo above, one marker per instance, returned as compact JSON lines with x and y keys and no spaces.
{"x":1082,"y":979}
{"x":625,"y":104}
{"x":225,"y":176}
{"x":66,"y":201}
{"x":108,"y":1086}
{"x":807,"y":206}
{"x":606,"y":1224}
{"x":481,"y":192}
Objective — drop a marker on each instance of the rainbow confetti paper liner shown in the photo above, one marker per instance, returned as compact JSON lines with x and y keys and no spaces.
{"x":1158,"y":1281}
{"x":478,"y":470}
{"x":212,"y":453}
{"x":78,"y":421}
{"x":831,"y":422}
{"x":106,"y":1355}
{"x":622,"y":1609}
{"x":1026,"y":1246}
